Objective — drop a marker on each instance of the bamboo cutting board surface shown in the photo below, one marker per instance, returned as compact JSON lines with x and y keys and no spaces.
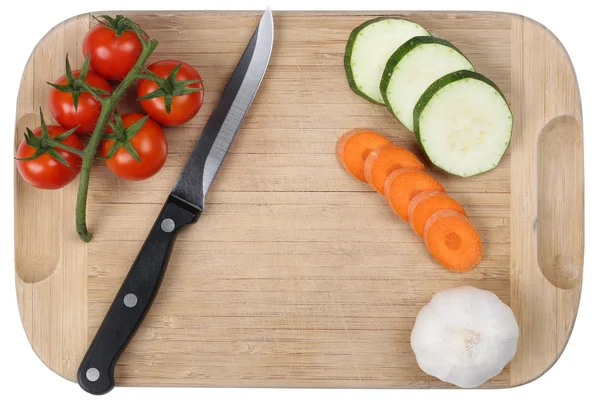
{"x":297,"y":274}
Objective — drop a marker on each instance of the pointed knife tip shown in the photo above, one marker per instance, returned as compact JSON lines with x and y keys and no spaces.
{"x":268,"y":12}
{"x":267,"y":18}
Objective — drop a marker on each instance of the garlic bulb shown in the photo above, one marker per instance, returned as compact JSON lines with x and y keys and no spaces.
{"x":464,"y":336}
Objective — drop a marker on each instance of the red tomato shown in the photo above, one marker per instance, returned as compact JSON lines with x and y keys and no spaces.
{"x":88,"y":109}
{"x":151,"y":145}
{"x":184,"y":107}
{"x":45,"y":172}
{"x":111,"y":56}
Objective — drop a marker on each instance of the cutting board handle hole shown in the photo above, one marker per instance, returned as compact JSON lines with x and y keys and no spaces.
{"x":560,"y":202}
{"x":35,"y":260}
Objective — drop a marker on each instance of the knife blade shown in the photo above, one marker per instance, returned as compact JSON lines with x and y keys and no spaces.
{"x":220,"y":130}
{"x":183,"y":206}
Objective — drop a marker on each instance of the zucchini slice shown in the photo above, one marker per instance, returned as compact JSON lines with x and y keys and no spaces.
{"x":463,"y":123}
{"x":369,"y":47}
{"x":413,"y":68}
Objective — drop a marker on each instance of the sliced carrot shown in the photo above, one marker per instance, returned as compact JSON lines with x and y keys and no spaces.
{"x":423,"y":205}
{"x":384,"y":160}
{"x":452,"y":240}
{"x":354,"y":147}
{"x":404,"y":184}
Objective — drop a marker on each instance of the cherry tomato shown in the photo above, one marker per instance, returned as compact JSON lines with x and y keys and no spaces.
{"x":183,"y":107}
{"x":151,"y":145}
{"x":45,"y":172}
{"x":88,"y":108}
{"x":111,"y":56}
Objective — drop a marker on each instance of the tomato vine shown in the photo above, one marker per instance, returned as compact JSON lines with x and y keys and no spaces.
{"x":91,"y":108}
{"x":108,"y":105}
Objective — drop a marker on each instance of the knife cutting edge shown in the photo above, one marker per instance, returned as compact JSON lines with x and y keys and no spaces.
{"x":183,"y":206}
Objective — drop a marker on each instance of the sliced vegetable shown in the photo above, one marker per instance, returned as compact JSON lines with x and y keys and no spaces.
{"x":174,"y":94}
{"x":452,"y":240}
{"x":413,"y":68}
{"x":404,"y":184}
{"x":463,"y":123}
{"x":354,"y":147}
{"x":425,"y":204}
{"x":384,"y":160}
{"x":368,"y":49}
{"x":464,"y":336}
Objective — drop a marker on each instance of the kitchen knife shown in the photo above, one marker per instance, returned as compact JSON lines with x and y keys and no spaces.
{"x":183,"y":206}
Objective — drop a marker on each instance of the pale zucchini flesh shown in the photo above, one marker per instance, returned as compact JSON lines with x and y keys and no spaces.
{"x":463,"y":123}
{"x":413,"y":68}
{"x":369,"y":47}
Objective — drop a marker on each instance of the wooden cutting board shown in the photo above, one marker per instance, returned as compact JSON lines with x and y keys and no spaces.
{"x":297,"y":274}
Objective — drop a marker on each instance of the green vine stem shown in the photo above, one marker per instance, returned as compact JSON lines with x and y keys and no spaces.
{"x":108,"y":105}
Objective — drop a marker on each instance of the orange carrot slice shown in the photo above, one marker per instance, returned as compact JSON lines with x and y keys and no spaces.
{"x":424,"y":204}
{"x":384,"y":160}
{"x":404,"y":184}
{"x":354,"y":147}
{"x":452,"y":240}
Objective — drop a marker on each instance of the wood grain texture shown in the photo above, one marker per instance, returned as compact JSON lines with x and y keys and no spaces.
{"x":547,"y":228}
{"x":297,"y":275}
{"x":50,"y":261}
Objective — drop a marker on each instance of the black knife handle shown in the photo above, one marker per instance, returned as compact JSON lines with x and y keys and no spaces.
{"x":96,"y":372}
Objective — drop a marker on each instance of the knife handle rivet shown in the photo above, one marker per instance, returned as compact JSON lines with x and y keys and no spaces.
{"x":130,"y":300}
{"x":92,"y":374}
{"x":167,"y":225}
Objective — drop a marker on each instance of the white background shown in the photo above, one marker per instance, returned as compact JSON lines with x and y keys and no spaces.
{"x":574,"y":22}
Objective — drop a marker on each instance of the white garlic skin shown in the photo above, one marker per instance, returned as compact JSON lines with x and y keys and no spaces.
{"x":464,"y":336}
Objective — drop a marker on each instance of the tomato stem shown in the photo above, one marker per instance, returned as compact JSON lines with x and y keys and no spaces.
{"x":89,"y":154}
{"x":93,"y":91}
{"x":73,"y":150}
{"x":148,"y":75}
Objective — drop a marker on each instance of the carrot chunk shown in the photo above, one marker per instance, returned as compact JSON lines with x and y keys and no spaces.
{"x":423,"y":205}
{"x":384,"y":160}
{"x":404,"y":184}
{"x":452,"y":240}
{"x":354,"y":147}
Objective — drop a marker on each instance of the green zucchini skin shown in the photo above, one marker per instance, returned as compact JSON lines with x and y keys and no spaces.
{"x":439,"y":84}
{"x":348,"y":55}
{"x":399,"y":54}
